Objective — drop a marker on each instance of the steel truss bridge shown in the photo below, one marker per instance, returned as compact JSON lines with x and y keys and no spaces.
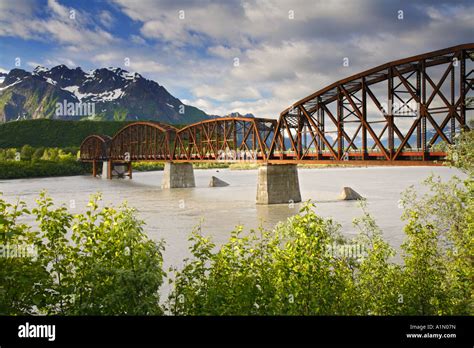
{"x":399,"y":113}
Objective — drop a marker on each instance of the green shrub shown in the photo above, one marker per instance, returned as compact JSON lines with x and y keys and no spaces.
{"x":41,"y":168}
{"x":287,"y":271}
{"x":107,"y":266}
{"x":23,"y":278}
{"x":26,"y":153}
{"x":38,"y":153}
{"x":147,"y":166}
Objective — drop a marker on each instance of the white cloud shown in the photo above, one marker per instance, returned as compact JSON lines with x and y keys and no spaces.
{"x":281,"y":60}
{"x":52,"y":62}
{"x":217,"y":92}
{"x":137,"y":40}
{"x":59,"y":9}
{"x":65,"y":25}
{"x":106,"y":19}
{"x":147,"y":66}
{"x":224,"y":52}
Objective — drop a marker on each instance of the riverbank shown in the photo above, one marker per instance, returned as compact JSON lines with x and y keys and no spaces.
{"x":22,"y":169}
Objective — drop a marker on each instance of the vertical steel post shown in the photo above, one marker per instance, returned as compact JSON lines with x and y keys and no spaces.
{"x":299,"y":139}
{"x":340,"y":125}
{"x":109,"y":169}
{"x":451,"y":107}
{"x":462,"y":88}
{"x":423,"y":110}
{"x":418,"y":94}
{"x":390,"y":113}
{"x":364,"y":117}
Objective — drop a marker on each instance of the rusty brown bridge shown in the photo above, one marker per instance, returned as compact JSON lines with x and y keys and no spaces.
{"x":399,"y":113}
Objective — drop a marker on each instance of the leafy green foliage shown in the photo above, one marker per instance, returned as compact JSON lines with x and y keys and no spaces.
{"x":97,"y":263}
{"x":376,"y":276}
{"x":294,"y":270}
{"x":29,"y":162}
{"x":120,"y":114}
{"x":461,"y":154}
{"x":26,"y":152}
{"x":147,"y":166}
{"x":440,"y":239}
{"x":22,"y":277}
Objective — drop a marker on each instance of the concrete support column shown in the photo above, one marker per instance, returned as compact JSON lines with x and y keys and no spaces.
{"x":178,"y":175}
{"x":278,"y":183}
{"x":106,"y":170}
{"x":129,"y":170}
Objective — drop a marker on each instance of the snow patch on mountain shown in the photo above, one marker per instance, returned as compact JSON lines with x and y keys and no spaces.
{"x":39,"y":69}
{"x":96,"y":97}
{"x":75,"y":90}
{"x":10,"y":85}
{"x":51,"y":81}
{"x":108,"y":96}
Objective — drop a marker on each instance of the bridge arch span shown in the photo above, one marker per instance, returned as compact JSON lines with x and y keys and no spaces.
{"x":143,"y":141}
{"x":225,"y":138}
{"x":95,"y":148}
{"x":398,"y":111}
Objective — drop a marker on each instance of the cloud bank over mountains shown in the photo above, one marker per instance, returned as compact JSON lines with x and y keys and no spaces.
{"x":245,"y":56}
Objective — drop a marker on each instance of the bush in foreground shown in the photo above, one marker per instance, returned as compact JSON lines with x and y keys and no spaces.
{"x":97,"y":263}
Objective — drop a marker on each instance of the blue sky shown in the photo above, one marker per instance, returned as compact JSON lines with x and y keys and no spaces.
{"x":225,"y":56}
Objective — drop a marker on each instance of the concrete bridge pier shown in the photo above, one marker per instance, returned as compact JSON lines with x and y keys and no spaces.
{"x":277,"y":184}
{"x":178,"y":175}
{"x":106,"y":168}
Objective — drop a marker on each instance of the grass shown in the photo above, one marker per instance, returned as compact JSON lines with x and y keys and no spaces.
{"x":243,"y":166}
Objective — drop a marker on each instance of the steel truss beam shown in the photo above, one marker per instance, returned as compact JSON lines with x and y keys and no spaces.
{"x":396,"y":113}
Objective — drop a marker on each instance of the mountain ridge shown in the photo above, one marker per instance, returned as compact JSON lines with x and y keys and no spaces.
{"x":111,"y":93}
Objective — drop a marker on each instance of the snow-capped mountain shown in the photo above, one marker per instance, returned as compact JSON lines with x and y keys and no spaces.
{"x":107,"y":93}
{"x":238,"y":114}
